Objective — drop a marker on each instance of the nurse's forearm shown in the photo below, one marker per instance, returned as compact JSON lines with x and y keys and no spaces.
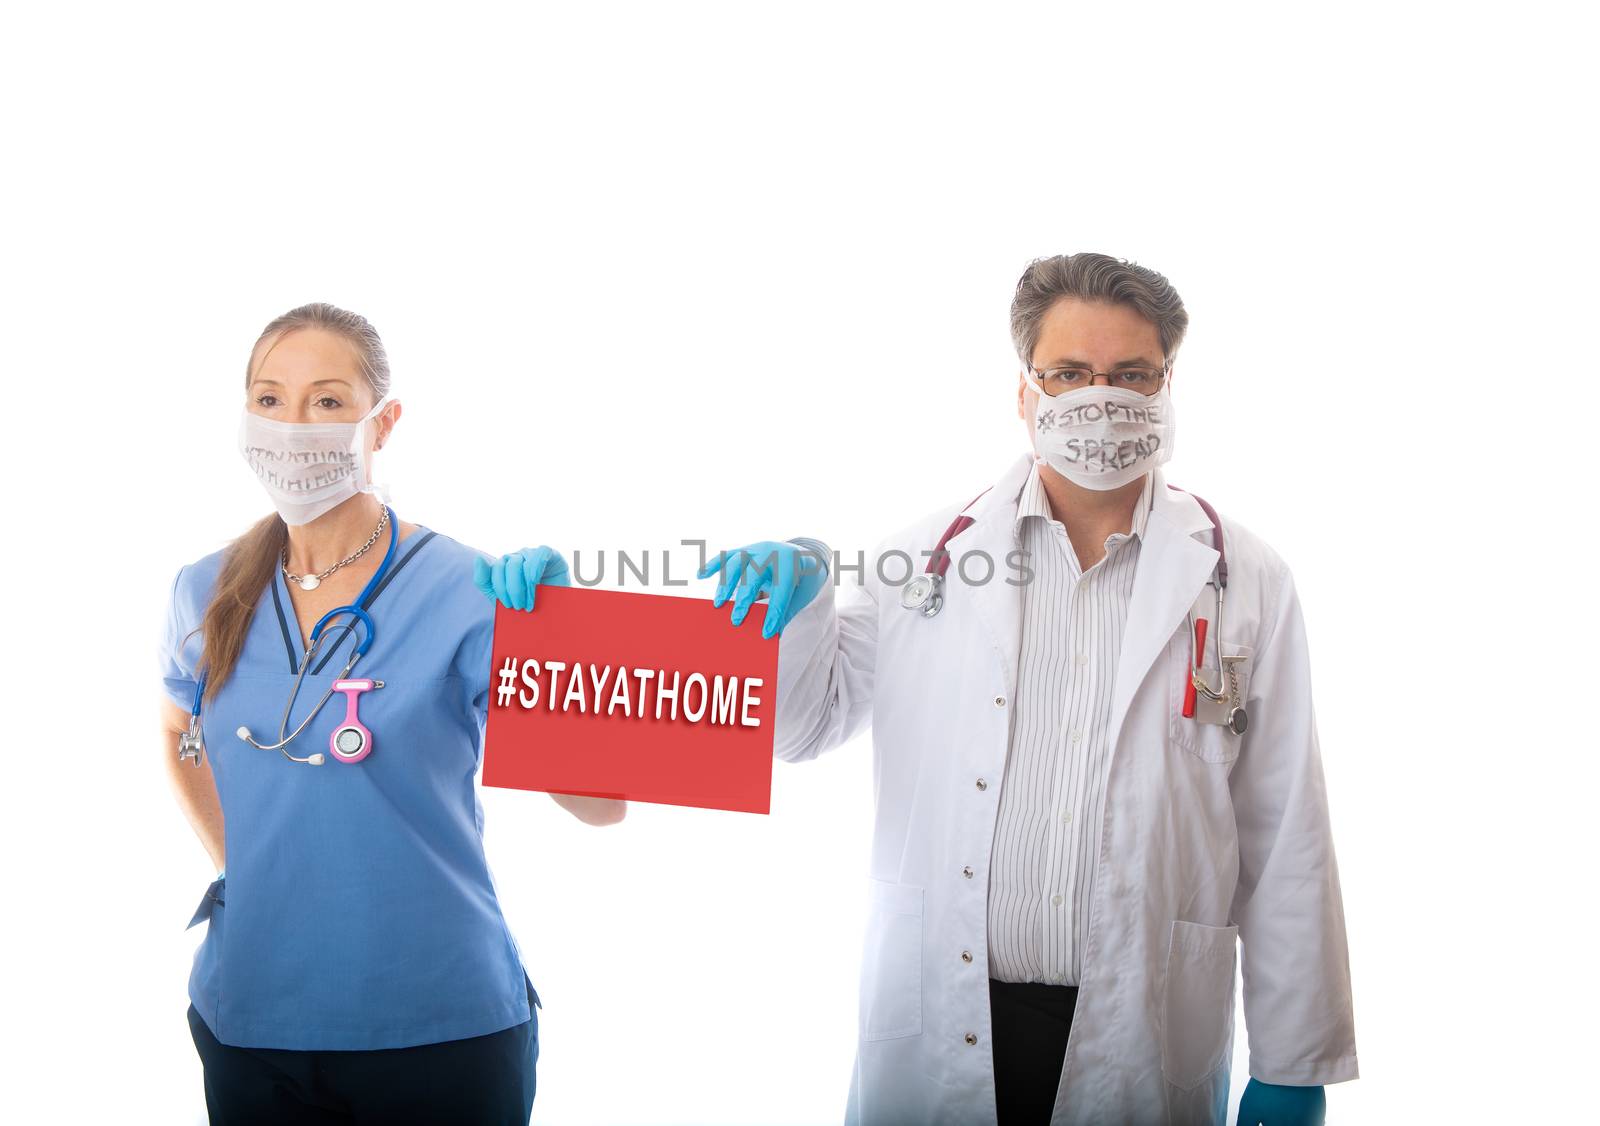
{"x":196,"y":792}
{"x":593,"y":811}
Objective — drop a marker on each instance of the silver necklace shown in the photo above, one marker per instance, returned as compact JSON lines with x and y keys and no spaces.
{"x":312,"y":582}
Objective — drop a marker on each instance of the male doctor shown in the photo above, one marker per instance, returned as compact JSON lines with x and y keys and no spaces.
{"x":1071,"y":840}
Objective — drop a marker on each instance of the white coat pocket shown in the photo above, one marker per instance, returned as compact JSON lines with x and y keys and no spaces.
{"x":1210,"y":742}
{"x":1197,"y":1001}
{"x":891,"y":970}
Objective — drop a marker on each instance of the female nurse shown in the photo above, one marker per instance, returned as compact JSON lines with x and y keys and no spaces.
{"x":356,"y":966}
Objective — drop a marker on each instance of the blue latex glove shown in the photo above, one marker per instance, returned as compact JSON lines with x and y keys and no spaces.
{"x":789,"y":575}
{"x":511,"y":579}
{"x":1273,"y":1104}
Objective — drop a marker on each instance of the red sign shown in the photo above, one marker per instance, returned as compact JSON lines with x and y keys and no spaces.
{"x":646,"y":697}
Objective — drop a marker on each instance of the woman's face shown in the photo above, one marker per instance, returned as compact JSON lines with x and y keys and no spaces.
{"x":311,"y":375}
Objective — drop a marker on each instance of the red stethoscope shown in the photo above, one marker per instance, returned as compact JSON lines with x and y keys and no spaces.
{"x":1223,"y":705}
{"x":925,"y":594}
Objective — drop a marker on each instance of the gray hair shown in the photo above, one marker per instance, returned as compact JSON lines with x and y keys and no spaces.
{"x":1095,"y":277}
{"x":341,"y":322}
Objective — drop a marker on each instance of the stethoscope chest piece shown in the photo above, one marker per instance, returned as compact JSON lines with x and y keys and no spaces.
{"x":1218,"y":698}
{"x":925,"y":593}
{"x":192,"y":743}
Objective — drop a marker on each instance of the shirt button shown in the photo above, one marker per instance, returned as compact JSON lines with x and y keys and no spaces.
{"x":1056,"y":899}
{"x":982,"y":785}
{"x":972,"y":1039}
{"x":967,"y":872}
{"x":999,"y":701}
{"x":1083,"y":658}
{"x":1077,"y":736}
{"x":966,"y":956}
{"x":1066,"y":818}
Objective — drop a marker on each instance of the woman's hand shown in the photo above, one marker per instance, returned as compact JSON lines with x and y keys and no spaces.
{"x":593,"y":811}
{"x":511,"y":579}
{"x":192,"y":784}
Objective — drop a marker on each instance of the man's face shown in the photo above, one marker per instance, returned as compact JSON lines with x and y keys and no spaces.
{"x":1092,"y":334}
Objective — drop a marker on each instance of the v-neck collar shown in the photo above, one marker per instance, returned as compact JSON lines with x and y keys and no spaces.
{"x":289,"y":622}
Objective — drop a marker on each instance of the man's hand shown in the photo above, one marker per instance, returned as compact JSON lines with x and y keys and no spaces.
{"x":788,"y":575}
{"x":1273,"y":1104}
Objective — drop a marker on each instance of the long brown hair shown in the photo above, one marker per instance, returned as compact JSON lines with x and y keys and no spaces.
{"x":251,"y":559}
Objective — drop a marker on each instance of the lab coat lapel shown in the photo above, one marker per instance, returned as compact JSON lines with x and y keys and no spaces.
{"x":1173,"y":568}
{"x":998,"y":602}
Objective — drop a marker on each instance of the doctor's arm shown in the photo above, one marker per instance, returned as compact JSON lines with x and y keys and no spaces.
{"x":1298,"y":1010}
{"x":192,"y":785}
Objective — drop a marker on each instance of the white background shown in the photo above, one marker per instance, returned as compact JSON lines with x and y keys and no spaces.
{"x":739,"y":272}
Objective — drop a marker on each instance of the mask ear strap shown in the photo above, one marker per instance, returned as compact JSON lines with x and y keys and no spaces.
{"x":381,"y":491}
{"x":372,"y":415}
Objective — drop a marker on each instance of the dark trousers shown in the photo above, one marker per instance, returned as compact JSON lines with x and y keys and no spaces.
{"x":487,"y":1080}
{"x":1030,"y":1023}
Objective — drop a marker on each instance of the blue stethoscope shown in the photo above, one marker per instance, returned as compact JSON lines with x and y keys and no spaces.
{"x":351,"y":741}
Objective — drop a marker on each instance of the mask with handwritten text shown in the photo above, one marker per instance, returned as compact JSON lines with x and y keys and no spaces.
{"x":307,"y":468}
{"x":1103,"y":437}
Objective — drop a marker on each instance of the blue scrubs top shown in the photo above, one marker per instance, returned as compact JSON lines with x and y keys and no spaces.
{"x":358,"y":910}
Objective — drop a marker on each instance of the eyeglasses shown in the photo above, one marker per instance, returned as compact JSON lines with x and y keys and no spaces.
{"x":1058,"y":381}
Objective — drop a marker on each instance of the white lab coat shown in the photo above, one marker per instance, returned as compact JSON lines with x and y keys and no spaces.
{"x":1208,"y":837}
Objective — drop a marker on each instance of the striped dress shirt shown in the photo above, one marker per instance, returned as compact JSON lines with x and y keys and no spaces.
{"x":1052,"y":798}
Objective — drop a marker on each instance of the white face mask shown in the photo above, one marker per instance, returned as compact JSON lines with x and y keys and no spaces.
{"x":308,"y":468}
{"x":1103,"y":437}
